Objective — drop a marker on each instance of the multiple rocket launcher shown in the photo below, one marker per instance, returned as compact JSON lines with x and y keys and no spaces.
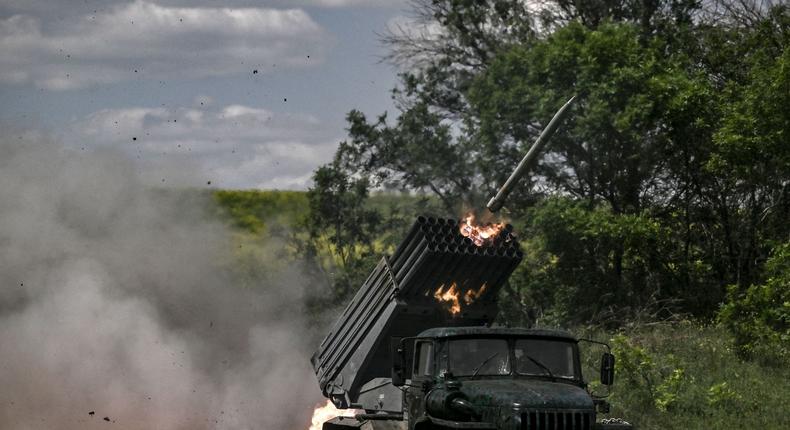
{"x":436,"y":278}
{"x":403,"y":297}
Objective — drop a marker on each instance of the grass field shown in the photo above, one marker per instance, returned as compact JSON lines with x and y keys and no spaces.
{"x":686,"y":375}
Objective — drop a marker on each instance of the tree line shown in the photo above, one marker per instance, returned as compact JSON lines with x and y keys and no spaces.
{"x":665,"y":192}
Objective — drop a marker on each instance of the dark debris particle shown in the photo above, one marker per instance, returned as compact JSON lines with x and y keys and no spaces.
{"x":134,"y":138}
{"x":255,"y":72}
{"x":106,"y":418}
{"x":285,"y":100}
{"x":208,"y":183}
{"x":91,"y":413}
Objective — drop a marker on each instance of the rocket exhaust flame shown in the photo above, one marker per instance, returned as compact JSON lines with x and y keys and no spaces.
{"x":480,"y":234}
{"x":326,"y":412}
{"x":472,"y":295}
{"x":452,"y":295}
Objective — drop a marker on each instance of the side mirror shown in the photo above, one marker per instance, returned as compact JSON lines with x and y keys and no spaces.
{"x":398,"y":361}
{"x":607,"y":369}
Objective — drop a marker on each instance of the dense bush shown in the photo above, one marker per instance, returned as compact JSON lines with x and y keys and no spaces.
{"x":686,"y":376}
{"x":759,"y":317}
{"x":589,"y":265}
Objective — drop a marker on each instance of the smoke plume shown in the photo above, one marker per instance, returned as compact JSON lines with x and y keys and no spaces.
{"x":119,"y":306}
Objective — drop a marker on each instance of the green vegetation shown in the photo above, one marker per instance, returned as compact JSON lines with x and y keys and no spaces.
{"x":253,"y":210}
{"x":295,"y":225}
{"x":627,"y":263}
{"x":664,"y":193}
{"x":686,"y":376}
{"x":760,"y":316}
{"x":667,"y":185}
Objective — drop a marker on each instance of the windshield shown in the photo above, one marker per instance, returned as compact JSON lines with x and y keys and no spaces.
{"x":535,"y":356}
{"x":474,"y":357}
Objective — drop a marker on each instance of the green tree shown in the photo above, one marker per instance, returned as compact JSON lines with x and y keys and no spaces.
{"x":341,"y":228}
{"x":419,"y":153}
{"x":572,"y":265}
{"x":671,"y":172}
{"x":618,"y":139}
{"x":752,"y":163}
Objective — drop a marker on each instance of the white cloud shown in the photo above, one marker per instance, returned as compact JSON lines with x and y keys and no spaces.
{"x":347,"y":3}
{"x":44,"y":7}
{"x":232,"y":146}
{"x":144,"y":39}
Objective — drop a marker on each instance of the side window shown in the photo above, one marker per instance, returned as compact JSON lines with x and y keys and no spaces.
{"x":423,"y":359}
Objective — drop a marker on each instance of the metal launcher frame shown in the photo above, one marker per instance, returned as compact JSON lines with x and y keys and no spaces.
{"x":398,"y":300}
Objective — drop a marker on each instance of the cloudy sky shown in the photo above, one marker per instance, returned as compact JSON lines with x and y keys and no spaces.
{"x":242,"y":93}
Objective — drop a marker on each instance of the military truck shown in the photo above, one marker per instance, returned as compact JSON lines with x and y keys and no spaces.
{"x":415,"y":349}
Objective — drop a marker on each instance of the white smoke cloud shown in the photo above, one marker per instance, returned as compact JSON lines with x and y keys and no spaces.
{"x":119,"y":299}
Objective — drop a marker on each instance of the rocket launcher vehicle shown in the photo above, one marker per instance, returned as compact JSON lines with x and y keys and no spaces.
{"x":415,"y":349}
{"x":444,"y":274}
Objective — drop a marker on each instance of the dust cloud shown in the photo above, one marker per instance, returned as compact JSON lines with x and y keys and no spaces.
{"x":119,"y":309}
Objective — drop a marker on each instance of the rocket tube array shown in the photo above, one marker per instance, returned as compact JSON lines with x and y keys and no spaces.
{"x":435,"y":254}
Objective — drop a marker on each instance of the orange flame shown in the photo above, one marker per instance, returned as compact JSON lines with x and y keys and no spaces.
{"x":452,"y":295}
{"x":482,"y":234}
{"x":326,"y":412}
{"x":472,"y":295}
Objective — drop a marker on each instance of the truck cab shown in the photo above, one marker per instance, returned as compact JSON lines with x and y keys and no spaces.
{"x":493,"y":378}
